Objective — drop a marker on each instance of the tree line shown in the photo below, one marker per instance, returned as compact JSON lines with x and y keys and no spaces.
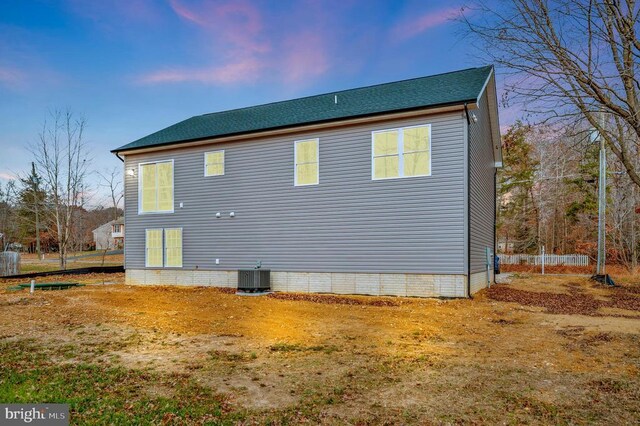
{"x":548,"y":196}
{"x":572,"y":67}
{"x":47,"y":209}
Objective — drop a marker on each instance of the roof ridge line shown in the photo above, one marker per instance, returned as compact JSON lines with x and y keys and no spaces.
{"x":340,"y":91}
{"x":452,"y":87}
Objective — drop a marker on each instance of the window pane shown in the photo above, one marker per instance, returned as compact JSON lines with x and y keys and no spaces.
{"x":416,"y":164}
{"x":307,"y":152}
{"x":165,"y":202}
{"x":385,"y":167}
{"x":165,"y":186}
{"x":173,"y":247}
{"x":148,"y":184}
{"x":154,"y":247}
{"x":214,"y":163}
{"x":149,"y":200}
{"x":215,"y":169}
{"x":215,"y":157}
{"x":416,"y":139}
{"x":307,"y":174}
{"x":385,"y":143}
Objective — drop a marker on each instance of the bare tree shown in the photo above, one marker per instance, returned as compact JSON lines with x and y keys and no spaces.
{"x":112,"y":180}
{"x":569,"y":60}
{"x":621,"y":217}
{"x":61,"y":157}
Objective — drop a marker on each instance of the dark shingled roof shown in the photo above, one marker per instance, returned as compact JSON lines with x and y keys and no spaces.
{"x":438,"y":90}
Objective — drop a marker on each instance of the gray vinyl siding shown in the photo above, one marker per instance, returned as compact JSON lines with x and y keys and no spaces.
{"x":346,"y":223}
{"x":481,"y":188}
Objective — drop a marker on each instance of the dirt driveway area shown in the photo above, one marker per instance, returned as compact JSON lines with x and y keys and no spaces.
{"x":552,"y":350}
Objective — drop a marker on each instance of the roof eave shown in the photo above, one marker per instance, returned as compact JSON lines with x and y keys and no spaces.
{"x":298,"y":127}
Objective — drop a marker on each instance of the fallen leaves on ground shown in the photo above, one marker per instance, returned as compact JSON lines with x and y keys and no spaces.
{"x":576,"y":302}
{"x":281,"y":360}
{"x":334,"y":300}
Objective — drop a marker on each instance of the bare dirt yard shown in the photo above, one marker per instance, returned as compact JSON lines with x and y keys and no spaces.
{"x":540,"y":350}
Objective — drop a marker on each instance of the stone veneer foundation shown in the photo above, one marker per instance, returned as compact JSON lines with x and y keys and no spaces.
{"x":411,"y":285}
{"x":479,"y":280}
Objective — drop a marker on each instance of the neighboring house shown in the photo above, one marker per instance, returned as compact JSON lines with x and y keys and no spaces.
{"x":505,"y":247}
{"x":386,"y":189}
{"x":110,"y":235}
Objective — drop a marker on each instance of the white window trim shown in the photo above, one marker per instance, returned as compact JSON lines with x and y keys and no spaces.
{"x":224,"y":162}
{"x":146,"y":250}
{"x":400,"y":152}
{"x":295,"y":163}
{"x":164,"y":248}
{"x":173,"y":186}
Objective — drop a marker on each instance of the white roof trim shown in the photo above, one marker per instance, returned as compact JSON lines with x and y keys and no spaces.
{"x":494,"y":119}
{"x":484,"y":86}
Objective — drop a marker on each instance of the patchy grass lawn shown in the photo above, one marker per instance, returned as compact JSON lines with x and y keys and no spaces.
{"x":553,"y":350}
{"x":29,"y":262}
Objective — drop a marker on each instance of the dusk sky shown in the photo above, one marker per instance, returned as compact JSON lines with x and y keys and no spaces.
{"x":132,"y":67}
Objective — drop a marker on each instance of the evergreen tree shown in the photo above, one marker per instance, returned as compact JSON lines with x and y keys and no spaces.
{"x":518,"y":216}
{"x":586,"y":184}
{"x":32,"y":204}
{"x":7,"y":213}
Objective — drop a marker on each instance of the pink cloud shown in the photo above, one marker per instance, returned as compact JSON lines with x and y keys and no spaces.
{"x":412,"y":27}
{"x":33,"y":72}
{"x":306,"y":56}
{"x":187,"y":14}
{"x":12,"y":77}
{"x":235,"y":72}
{"x":238,"y":22}
{"x":244,"y":47}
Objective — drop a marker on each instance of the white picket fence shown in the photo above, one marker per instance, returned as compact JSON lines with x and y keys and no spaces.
{"x":9,"y":263}
{"x":549,"y":259}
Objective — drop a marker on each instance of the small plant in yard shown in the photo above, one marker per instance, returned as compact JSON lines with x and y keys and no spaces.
{"x":224,"y":356}
{"x":296,"y":347}
{"x":286,"y":347}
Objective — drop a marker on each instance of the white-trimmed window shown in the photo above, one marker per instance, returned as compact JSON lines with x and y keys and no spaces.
{"x":163,"y":248}
{"x":173,"y":247}
{"x":307,"y":164}
{"x":155,"y":183}
{"x":403,"y":152}
{"x":153,"y":248}
{"x":214,"y":163}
